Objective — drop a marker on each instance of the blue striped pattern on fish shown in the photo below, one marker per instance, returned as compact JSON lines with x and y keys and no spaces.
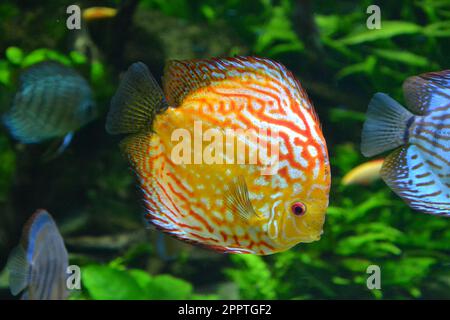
{"x":38,"y":265}
{"x":52,"y":101}
{"x":419,"y":171}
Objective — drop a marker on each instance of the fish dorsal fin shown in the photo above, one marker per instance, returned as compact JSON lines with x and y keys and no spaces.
{"x":45,"y":69}
{"x":136,"y":102}
{"x":413,"y":178}
{"x":19,"y":270}
{"x":32,"y":223}
{"x":427,"y":92}
{"x":184,"y":77}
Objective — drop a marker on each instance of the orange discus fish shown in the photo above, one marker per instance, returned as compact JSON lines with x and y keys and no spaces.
{"x":230,"y":156}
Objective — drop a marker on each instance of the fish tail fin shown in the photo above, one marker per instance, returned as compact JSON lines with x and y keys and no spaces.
{"x":385,"y":126}
{"x":17,"y":129}
{"x":19,"y":270}
{"x":137,"y":100}
{"x":6,"y":121}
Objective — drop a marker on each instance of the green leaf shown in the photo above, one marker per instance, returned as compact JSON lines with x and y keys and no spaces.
{"x":97,"y":71}
{"x":77,"y":57}
{"x":404,"y":57}
{"x":365,"y":67}
{"x":253,"y":276}
{"x":407,"y":271}
{"x":166,"y":287}
{"x":356,"y":264}
{"x":327,"y":24}
{"x":107,"y":283}
{"x":143,"y":279}
{"x":44,"y":54}
{"x":208,"y":12}
{"x":438,"y":29}
{"x":389,"y":29}
{"x":14,"y":55}
{"x":278,"y":32}
{"x":5,"y":73}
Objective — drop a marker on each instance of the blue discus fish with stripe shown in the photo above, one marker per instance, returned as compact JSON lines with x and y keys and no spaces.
{"x":419,"y":169}
{"x":38,"y":265}
{"x":53,"y":101}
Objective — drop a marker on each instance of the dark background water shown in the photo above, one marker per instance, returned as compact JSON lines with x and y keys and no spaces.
{"x":92,"y":194}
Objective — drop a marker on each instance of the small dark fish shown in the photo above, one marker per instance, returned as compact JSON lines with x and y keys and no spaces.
{"x":419,"y":169}
{"x":38,"y":265}
{"x":52,"y":101}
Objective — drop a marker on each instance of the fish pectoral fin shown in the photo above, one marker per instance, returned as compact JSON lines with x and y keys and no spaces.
{"x":65,"y":143}
{"x":413,"y":179}
{"x":385,"y":126}
{"x":57,"y":148}
{"x":19,"y":270}
{"x":237,"y":199}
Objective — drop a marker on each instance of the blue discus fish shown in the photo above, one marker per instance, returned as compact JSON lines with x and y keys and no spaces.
{"x":52,"y":101}
{"x":38,"y":265}
{"x":419,"y":169}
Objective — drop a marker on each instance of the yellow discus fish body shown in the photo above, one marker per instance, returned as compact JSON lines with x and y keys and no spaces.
{"x":239,"y":163}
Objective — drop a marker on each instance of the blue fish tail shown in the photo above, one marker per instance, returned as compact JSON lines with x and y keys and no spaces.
{"x":19,"y":270}
{"x":385,"y":127}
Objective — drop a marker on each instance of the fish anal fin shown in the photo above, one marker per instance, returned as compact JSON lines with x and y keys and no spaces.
{"x":139,"y":148}
{"x":409,"y":175}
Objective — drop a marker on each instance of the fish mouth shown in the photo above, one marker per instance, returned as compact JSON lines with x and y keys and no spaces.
{"x":302,"y":232}
{"x":314,"y":236}
{"x":309,"y":228}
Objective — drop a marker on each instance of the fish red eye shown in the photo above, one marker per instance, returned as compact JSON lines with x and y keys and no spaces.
{"x":298,"y":209}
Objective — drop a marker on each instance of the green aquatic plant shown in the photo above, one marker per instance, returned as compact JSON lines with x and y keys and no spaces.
{"x":254,"y":277}
{"x":114,"y":282}
{"x":7,"y":167}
